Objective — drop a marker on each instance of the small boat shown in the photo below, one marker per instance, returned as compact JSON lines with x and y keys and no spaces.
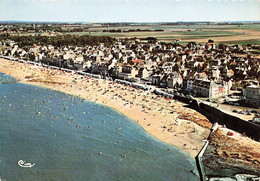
{"x":22,"y":163}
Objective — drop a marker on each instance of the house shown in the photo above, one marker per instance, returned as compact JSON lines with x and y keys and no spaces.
{"x":252,"y":95}
{"x":206,"y":88}
{"x":143,"y":73}
{"x":128,"y":72}
{"x":86,"y":65}
{"x":137,"y":61}
{"x":174,"y":80}
{"x":79,"y":59}
{"x":203,"y":88}
{"x":227,"y":72}
{"x":201,"y":76}
{"x":171,"y":80}
{"x":156,"y":79}
{"x":112,"y":64}
{"x":215,"y":74}
{"x":68,"y":55}
{"x":14,"y":50}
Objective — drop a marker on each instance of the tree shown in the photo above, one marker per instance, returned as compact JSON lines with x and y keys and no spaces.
{"x":61,"y":40}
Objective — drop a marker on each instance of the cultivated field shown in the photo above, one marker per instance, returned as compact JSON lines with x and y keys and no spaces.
{"x":239,"y":34}
{"x":229,"y":34}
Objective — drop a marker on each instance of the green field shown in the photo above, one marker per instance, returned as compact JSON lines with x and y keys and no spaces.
{"x":246,"y":42}
{"x":230,"y":34}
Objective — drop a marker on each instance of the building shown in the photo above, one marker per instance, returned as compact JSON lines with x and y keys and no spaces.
{"x":128,"y":72}
{"x":210,"y":89}
{"x":252,"y":95}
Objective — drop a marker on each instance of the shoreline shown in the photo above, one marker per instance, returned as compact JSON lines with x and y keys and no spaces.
{"x":157,"y":115}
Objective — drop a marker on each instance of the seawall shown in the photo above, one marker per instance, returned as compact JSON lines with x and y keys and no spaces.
{"x":250,"y":129}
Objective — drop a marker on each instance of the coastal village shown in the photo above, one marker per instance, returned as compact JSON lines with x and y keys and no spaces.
{"x":200,"y":70}
{"x":130,"y":90}
{"x":126,"y":75}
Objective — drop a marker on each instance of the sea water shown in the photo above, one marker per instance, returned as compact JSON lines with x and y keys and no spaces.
{"x":69,"y":138}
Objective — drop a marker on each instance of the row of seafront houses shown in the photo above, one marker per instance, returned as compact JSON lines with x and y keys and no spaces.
{"x":200,"y":87}
{"x":49,"y":66}
{"x":133,"y":84}
{"x":140,"y":73}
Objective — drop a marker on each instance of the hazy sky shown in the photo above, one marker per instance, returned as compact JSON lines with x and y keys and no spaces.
{"x":130,"y":10}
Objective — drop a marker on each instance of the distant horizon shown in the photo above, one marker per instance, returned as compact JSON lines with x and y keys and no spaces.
{"x":127,"y":22}
{"x":100,"y":11}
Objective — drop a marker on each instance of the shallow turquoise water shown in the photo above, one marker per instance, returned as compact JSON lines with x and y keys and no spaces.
{"x":63,"y":135}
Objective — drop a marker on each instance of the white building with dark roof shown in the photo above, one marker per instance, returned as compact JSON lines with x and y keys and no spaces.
{"x":252,"y":95}
{"x":206,"y":88}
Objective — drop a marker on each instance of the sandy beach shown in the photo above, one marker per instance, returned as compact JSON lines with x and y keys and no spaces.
{"x":168,"y":120}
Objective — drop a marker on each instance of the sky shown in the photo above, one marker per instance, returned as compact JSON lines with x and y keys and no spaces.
{"x":129,"y":10}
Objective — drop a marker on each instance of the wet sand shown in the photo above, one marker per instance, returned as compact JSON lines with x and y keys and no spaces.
{"x":168,"y":120}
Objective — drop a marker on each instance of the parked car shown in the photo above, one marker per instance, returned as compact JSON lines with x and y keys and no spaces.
{"x":236,"y":104}
{"x":241,"y":112}
{"x":235,"y":111}
{"x":256,"y":119}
